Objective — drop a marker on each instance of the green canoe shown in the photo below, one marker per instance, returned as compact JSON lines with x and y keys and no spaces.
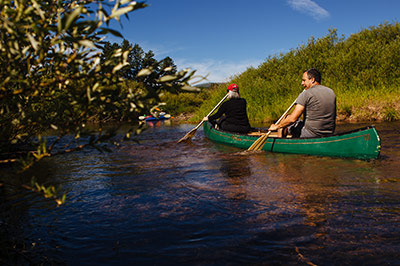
{"x":363,"y":143}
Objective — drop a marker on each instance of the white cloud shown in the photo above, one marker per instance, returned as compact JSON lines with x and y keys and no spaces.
{"x":310,"y":8}
{"x":213,"y":70}
{"x":217,"y":71}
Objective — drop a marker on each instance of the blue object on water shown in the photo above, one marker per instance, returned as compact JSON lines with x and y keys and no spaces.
{"x":152,"y":118}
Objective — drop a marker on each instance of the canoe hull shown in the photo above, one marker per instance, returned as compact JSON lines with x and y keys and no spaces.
{"x":152,"y":118}
{"x":362,"y":143}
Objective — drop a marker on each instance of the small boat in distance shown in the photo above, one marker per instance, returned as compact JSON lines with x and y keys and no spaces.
{"x":363,"y":143}
{"x":149,"y":118}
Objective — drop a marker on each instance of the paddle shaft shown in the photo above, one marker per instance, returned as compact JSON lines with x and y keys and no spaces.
{"x":259,"y":143}
{"x":284,"y":114}
{"x":212,"y":111}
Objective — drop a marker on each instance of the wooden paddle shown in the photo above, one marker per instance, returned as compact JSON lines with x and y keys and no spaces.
{"x":192,"y":132}
{"x":260,"y":142}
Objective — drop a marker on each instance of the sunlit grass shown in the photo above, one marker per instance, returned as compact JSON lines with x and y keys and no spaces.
{"x":363,"y":70}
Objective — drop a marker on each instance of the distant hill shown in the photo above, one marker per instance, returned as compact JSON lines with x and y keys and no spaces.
{"x":208,"y":85}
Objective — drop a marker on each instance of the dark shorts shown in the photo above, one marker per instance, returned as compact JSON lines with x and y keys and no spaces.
{"x":297,"y":130}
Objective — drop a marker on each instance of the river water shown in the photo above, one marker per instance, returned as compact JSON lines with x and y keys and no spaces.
{"x":157,"y":202}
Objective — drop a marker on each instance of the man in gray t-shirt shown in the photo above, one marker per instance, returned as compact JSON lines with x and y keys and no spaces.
{"x":317,"y":103}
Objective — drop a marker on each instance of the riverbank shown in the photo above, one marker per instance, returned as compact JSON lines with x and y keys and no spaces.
{"x":373,"y":112}
{"x":364,"y":79}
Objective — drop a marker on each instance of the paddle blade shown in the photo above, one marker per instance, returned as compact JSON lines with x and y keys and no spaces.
{"x":188,"y":135}
{"x":259,"y":143}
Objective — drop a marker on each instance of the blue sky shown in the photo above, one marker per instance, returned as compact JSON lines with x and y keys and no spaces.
{"x":223,"y":38}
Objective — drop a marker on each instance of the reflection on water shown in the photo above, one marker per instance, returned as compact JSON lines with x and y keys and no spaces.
{"x":157,"y":202}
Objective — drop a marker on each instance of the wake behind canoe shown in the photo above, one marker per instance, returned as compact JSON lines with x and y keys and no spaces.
{"x":363,"y":143}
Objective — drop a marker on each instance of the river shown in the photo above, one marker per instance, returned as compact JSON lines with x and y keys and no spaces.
{"x":156,"y":202}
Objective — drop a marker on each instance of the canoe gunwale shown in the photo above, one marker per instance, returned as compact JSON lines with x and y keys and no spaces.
{"x":361,"y":143}
{"x":333,"y":135}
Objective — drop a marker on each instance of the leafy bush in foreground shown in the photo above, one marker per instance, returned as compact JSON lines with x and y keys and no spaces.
{"x":54,"y":76}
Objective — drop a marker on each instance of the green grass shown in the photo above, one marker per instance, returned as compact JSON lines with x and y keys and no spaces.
{"x":363,"y":70}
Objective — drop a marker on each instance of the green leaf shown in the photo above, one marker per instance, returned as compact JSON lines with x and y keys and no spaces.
{"x":104,"y":31}
{"x":59,"y":22}
{"x":190,"y":88}
{"x":144,"y":72}
{"x":72,"y":17}
{"x":39,"y":10}
{"x":87,"y":43}
{"x":167,"y":78}
{"x":119,"y":66}
{"x":32,"y":40}
{"x":117,"y":13}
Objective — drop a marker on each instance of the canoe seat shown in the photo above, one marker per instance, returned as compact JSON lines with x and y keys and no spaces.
{"x":272,"y":134}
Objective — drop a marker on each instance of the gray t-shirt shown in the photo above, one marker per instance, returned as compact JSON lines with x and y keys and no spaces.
{"x":320,"y":110}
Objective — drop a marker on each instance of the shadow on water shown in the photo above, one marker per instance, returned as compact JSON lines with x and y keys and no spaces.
{"x":157,"y":202}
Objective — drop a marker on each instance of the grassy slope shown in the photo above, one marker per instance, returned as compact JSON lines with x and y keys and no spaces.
{"x":363,"y":70}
